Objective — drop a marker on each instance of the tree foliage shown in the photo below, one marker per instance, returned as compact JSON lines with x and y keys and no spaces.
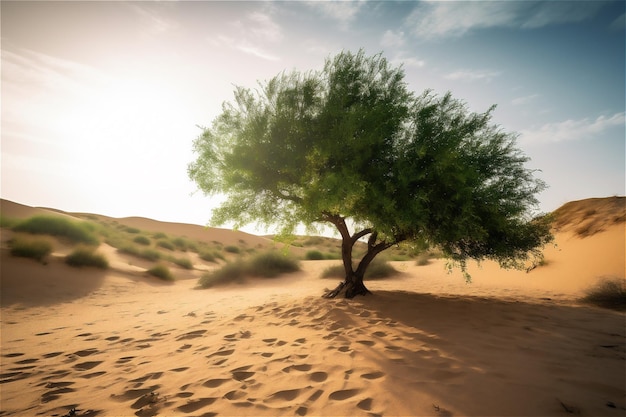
{"x":350,"y":145}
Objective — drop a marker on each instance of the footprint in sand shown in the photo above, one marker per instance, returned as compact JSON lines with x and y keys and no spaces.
{"x":318,"y":376}
{"x":191,"y":335}
{"x":214,"y":383}
{"x":85,"y":366}
{"x":343,"y":394}
{"x":373,"y":375}
{"x":283,"y":396}
{"x":195,"y":405}
{"x":224,"y":352}
{"x":52,"y":354}
{"x":242,"y":373}
{"x":86,"y":352}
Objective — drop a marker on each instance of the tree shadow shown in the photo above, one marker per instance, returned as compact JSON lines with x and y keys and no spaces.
{"x":484,"y":356}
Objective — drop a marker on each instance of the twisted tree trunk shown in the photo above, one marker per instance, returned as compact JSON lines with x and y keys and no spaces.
{"x":353,"y":284}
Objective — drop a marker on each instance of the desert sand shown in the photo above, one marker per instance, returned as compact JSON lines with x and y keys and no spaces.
{"x":425,"y":343}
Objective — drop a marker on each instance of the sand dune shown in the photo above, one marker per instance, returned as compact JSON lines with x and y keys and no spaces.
{"x":425,"y":343}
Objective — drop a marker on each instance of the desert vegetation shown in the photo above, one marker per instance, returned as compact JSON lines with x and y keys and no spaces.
{"x":86,"y":256}
{"x":607,"y":293}
{"x":34,"y":248}
{"x":265,"y":265}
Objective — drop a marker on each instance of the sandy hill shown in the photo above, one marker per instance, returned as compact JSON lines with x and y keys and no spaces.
{"x":425,"y":343}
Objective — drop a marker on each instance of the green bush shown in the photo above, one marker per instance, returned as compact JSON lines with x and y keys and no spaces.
{"x":162,"y":272}
{"x":159,"y":235}
{"x":232,"y":272}
{"x":147,"y":253}
{"x":210,"y":256}
{"x":314,"y":255}
{"x":334,"y":271}
{"x":166,"y":244}
{"x":142,"y":240}
{"x":61,"y":227}
{"x":378,"y":269}
{"x":271,"y":264}
{"x":129,"y":229}
{"x":36,"y":249}
{"x":86,"y":256}
{"x":183,"y":262}
{"x":232,"y":249}
{"x":266,"y":265}
{"x":7,"y":221}
{"x":608,"y":293}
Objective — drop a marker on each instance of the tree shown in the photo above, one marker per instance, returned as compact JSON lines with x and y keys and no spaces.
{"x":352,"y":147}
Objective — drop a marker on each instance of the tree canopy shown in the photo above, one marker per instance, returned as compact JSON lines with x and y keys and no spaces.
{"x":351,"y":146}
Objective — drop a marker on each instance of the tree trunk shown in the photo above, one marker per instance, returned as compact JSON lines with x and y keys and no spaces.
{"x":350,"y":288}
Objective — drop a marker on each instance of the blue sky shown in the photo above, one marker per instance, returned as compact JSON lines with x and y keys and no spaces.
{"x":101,"y":100}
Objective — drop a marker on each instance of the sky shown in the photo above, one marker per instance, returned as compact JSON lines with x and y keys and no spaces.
{"x":101,"y":101}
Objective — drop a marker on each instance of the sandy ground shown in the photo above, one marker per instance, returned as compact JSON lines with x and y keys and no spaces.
{"x":425,"y":343}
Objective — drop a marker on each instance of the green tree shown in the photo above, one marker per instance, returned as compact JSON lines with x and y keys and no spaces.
{"x":351,"y":146}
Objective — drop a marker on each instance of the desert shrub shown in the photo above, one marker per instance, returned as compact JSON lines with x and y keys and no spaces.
{"x":378,"y":269}
{"x":76,"y":232}
{"x":7,"y":221}
{"x":162,"y":272}
{"x":159,"y":235}
{"x":608,"y":293}
{"x":132,"y":230}
{"x":86,"y":256}
{"x":147,"y":253}
{"x":232,"y":272}
{"x":271,"y":264}
{"x":232,"y":249}
{"x":314,"y":255}
{"x":180,"y":243}
{"x":423,"y":259}
{"x":142,"y":240}
{"x":266,"y":265}
{"x":36,"y":249}
{"x":334,"y":271}
{"x":207,"y":256}
{"x":166,"y":244}
{"x":183,"y":262}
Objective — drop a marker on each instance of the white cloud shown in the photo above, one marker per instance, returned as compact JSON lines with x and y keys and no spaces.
{"x":524,"y":100}
{"x":431,"y":19}
{"x":408,"y":62}
{"x":254,"y":36}
{"x":472,"y":75}
{"x":342,"y":11}
{"x":570,"y":130}
{"x":262,"y":26}
{"x":392,"y":39}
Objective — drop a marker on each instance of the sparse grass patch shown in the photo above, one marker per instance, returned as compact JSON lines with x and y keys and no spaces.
{"x":86,"y":256}
{"x":271,"y":264}
{"x":162,"y":272}
{"x":166,"y":244}
{"x":61,"y":227}
{"x":36,"y":249}
{"x":608,"y":293}
{"x":232,"y":272}
{"x":267,"y":265}
{"x":378,"y":269}
{"x":314,"y":255}
{"x":7,"y":221}
{"x":142,"y":240}
{"x":147,"y":253}
{"x":183,"y":262}
{"x":232,"y":249}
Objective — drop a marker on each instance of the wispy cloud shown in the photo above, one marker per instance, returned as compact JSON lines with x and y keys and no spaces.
{"x":472,"y":75}
{"x":255,"y":34}
{"x":518,"y":101}
{"x":392,"y":39}
{"x":570,"y":130}
{"x":432,"y":19}
{"x":343,"y":12}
